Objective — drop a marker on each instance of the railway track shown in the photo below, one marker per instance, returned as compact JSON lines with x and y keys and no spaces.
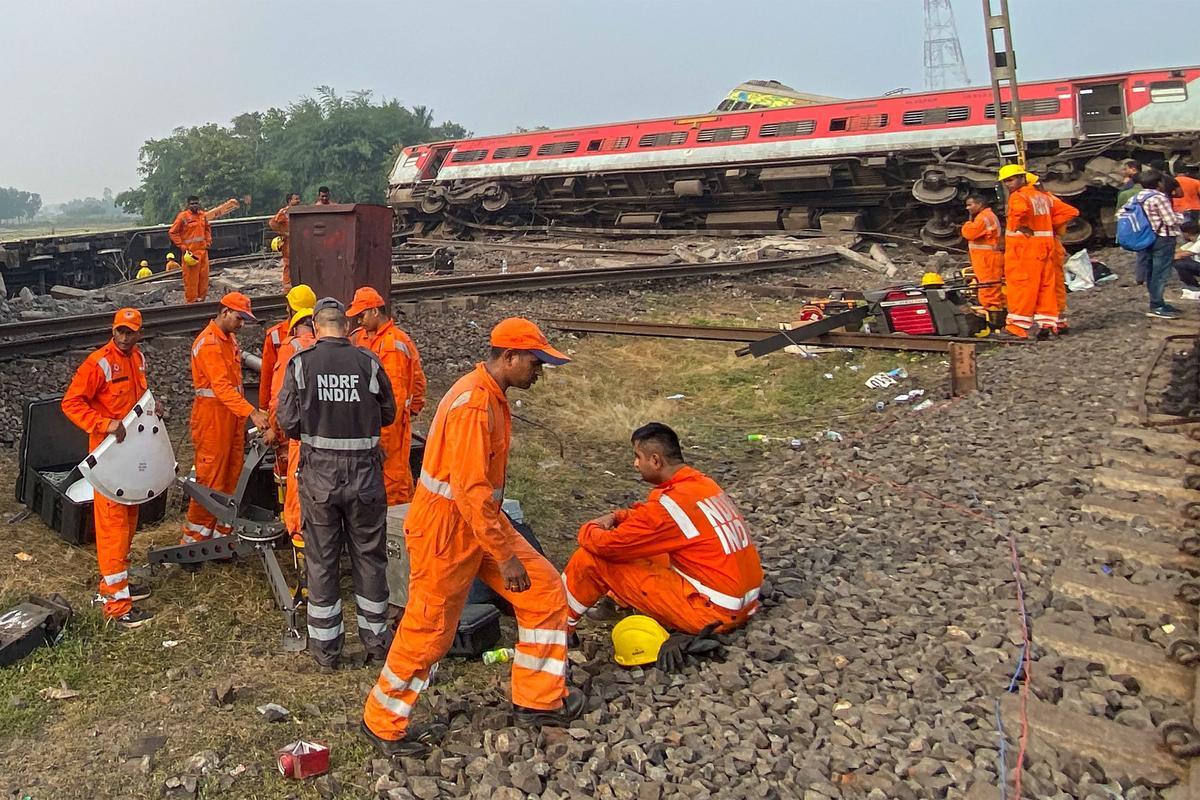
{"x":45,"y":337}
{"x":1149,"y":631}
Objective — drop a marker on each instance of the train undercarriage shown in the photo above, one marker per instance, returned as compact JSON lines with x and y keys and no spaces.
{"x":918,"y":194}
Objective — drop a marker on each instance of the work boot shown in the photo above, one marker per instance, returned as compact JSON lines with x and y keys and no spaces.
{"x":572,"y":707}
{"x":326,"y":665}
{"x":134,"y":618}
{"x":605,"y":610}
{"x":138,"y":591}
{"x":417,"y":741}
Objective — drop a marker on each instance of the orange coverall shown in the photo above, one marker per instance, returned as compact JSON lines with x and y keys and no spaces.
{"x":172,"y":265}
{"x":105,"y":387}
{"x":193,"y":232}
{"x":219,"y":412}
{"x":683,"y":557}
{"x":302,"y":338}
{"x":983,"y":239}
{"x":1028,"y":263}
{"x":277,"y":334}
{"x":402,"y":364}
{"x":279,"y":224}
{"x":454,"y":532}
{"x":1061,"y":213}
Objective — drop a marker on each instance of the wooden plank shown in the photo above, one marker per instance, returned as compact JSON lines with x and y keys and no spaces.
{"x":1124,"y":510}
{"x":1157,"y":439}
{"x":1121,"y":593}
{"x":1128,"y":416}
{"x":1146,"y":462}
{"x":1125,"y":753}
{"x":860,"y":259}
{"x":962,"y":369}
{"x":1156,"y":673}
{"x":1171,"y":488}
{"x":1148,"y":551}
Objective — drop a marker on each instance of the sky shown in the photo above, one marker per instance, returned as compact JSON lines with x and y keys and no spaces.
{"x":86,"y":83}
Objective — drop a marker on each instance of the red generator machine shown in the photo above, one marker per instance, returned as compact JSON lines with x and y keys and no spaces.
{"x":926,"y":311}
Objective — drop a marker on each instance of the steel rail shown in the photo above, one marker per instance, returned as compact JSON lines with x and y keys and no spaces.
{"x":540,"y":247}
{"x":713,"y":333}
{"x":89,"y":329}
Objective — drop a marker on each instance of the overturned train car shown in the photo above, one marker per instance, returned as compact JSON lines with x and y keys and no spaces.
{"x":89,"y":260}
{"x":898,"y":162}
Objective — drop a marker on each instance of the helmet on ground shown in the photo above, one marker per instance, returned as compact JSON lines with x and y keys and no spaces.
{"x":170,"y":256}
{"x":301,"y":296}
{"x":277,"y":243}
{"x":190,"y":259}
{"x":300,"y":316}
{"x":144,"y":263}
{"x":932,"y":279}
{"x":636,"y":640}
{"x":1011,"y":171}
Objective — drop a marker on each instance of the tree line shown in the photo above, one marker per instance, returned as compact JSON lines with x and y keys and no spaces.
{"x":345,"y":142}
{"x":18,"y":204}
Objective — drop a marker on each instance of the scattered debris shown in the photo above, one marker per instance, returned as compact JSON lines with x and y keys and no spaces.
{"x":169,"y":643}
{"x":222,"y":694}
{"x":273,"y":712}
{"x":24,"y":557}
{"x":303,"y":759}
{"x":676,"y":396}
{"x":57,"y":693}
{"x":29,"y":625}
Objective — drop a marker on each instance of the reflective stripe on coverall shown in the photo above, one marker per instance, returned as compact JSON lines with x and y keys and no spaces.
{"x":399,"y":359}
{"x":454,"y":532}
{"x":193,"y":232}
{"x":683,"y":557}
{"x":983,"y":239}
{"x":335,"y":399}
{"x":1061,"y":213}
{"x":1028,"y":267}
{"x":105,"y":387}
{"x":302,"y":338}
{"x":219,"y":412}
{"x":279,"y":224}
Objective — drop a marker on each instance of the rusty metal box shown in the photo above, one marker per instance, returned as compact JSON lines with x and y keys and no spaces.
{"x":338,"y":248}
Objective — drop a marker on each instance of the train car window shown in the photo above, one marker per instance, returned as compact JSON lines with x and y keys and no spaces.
{"x":723,"y":134}
{"x":662,"y":139}
{"x":726,"y":105}
{"x":1168,"y":92}
{"x":557,"y":148}
{"x":1042,"y":107}
{"x":801,"y":127}
{"x":518,"y":151}
{"x":740,"y":105}
{"x":936,"y":116}
{"x":466,"y":156}
{"x":861,"y":122}
{"x":612,"y":143}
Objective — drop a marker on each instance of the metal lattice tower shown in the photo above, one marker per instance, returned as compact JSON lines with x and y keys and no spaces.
{"x":944,"y":64}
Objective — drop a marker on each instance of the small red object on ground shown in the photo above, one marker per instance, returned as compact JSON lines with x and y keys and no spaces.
{"x":303,"y":759}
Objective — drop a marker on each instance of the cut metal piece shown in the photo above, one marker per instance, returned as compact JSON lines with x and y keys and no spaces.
{"x":138,"y":468}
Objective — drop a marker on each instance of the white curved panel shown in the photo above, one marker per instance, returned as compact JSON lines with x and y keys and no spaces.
{"x":139,"y":468}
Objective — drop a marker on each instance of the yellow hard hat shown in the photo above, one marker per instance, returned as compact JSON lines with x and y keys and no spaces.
{"x":190,"y":259}
{"x":299,"y":316}
{"x":144,"y":263}
{"x":932,"y":279}
{"x":636,"y":640}
{"x":170,"y":256}
{"x":301,"y":296}
{"x":144,"y":272}
{"x":277,"y":243}
{"x":1011,"y":171}
{"x":1031,"y":179}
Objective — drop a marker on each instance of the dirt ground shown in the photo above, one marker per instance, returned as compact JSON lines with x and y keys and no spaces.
{"x":148,"y":692}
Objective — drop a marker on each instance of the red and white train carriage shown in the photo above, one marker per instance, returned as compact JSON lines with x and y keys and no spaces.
{"x":904,"y":159}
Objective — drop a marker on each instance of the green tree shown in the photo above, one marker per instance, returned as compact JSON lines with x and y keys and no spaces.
{"x":18,"y":203}
{"x":345,"y":142}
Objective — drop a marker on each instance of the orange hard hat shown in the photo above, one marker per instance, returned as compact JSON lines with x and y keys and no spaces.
{"x":364,"y":298}
{"x":238,"y":302}
{"x":128,"y":318}
{"x":518,"y":333}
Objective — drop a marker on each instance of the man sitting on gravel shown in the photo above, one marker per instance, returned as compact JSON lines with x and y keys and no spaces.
{"x":683,"y":557}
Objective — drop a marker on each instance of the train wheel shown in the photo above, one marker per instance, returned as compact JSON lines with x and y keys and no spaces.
{"x":934,"y":188}
{"x":1079,"y":230}
{"x":941,"y":231}
{"x":433,"y":203}
{"x":495,"y":200}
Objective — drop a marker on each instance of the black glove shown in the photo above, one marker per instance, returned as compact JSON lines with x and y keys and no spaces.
{"x":674,"y":653}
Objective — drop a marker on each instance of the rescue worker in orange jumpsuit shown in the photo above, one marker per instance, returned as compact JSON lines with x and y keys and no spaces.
{"x":1061,"y":212}
{"x":105,"y":388}
{"x":683,"y":557}
{"x":172,"y":264}
{"x":192,"y":232}
{"x":1028,"y":258}
{"x":455,"y":531}
{"x":396,"y":351}
{"x":982,"y":232}
{"x":298,"y":297}
{"x":300,"y":337}
{"x":219,"y":411}
{"x":279,"y":224}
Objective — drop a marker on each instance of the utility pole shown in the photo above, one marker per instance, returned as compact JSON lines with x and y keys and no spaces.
{"x":1010,"y":139}
{"x":944,"y":64}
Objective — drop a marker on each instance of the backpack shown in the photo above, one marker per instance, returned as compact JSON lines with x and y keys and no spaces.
{"x":1133,"y":227}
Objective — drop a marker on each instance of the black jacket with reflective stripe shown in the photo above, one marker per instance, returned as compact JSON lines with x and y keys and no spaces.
{"x":335,"y":397}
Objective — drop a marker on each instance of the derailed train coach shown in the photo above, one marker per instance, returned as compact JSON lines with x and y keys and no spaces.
{"x":897,"y":162}
{"x":89,"y":260}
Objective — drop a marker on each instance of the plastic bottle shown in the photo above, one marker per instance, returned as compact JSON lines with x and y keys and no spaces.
{"x":501,"y":655}
{"x":755,"y":437}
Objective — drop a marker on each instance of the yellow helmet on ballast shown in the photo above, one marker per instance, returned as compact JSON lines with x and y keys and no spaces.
{"x":932,"y":279}
{"x":636,"y":640}
{"x":1011,"y":171}
{"x":277,"y":243}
